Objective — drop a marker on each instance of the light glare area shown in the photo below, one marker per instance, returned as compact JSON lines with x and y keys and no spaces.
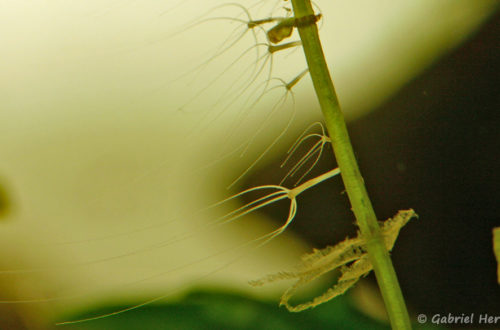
{"x":121,"y":122}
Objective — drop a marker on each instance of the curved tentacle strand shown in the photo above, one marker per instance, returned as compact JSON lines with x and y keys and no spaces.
{"x":315,"y":151}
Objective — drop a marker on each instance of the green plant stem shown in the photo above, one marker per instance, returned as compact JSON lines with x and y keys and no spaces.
{"x":351,"y":176}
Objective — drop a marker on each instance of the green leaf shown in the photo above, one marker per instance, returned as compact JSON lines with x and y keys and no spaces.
{"x":496,"y":248}
{"x":221,"y":310}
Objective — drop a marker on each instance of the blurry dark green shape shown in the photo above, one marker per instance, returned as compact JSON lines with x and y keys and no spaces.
{"x":220,"y":310}
{"x":4,"y":201}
